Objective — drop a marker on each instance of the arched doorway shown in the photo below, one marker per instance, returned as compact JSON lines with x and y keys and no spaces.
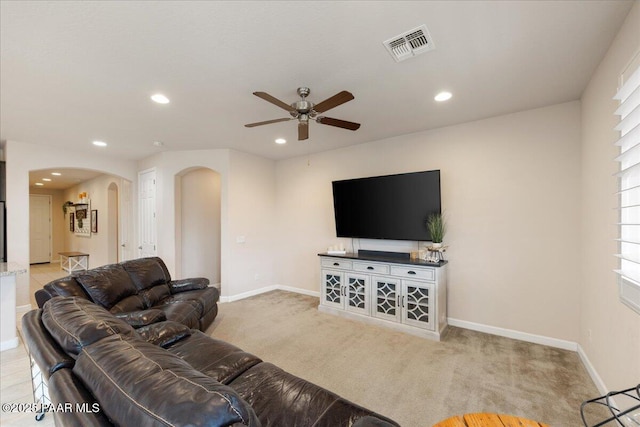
{"x":198,"y":224}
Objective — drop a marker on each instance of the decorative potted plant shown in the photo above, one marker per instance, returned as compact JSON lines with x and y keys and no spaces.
{"x":437,"y":228}
{"x":66,"y":205}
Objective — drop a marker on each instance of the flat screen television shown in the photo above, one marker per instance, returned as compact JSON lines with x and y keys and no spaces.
{"x":392,"y":207}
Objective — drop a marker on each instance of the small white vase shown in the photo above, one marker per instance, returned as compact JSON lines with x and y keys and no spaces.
{"x":436,"y":245}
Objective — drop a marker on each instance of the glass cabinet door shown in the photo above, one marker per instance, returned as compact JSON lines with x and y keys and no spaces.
{"x":386,"y":298}
{"x":332,"y":288}
{"x":417,"y":304}
{"x":357,"y":293}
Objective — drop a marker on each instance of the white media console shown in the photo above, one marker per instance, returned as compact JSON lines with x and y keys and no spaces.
{"x":396,"y":292}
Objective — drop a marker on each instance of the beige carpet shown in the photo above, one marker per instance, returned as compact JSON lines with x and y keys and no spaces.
{"x":415,"y":381}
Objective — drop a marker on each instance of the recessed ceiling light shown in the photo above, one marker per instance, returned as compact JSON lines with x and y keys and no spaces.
{"x":443,"y":96}
{"x":160,"y":98}
{"x":56,"y":173}
{"x":99,"y":143}
{"x":39,"y":183}
{"x":46,"y":179}
{"x":281,"y":141}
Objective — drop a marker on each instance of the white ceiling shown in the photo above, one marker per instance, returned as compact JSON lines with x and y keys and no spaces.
{"x":72,"y":72}
{"x":67,"y":178}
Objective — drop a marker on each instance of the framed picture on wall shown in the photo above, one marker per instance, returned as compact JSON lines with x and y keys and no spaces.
{"x":94,"y":221}
{"x":71,"y":222}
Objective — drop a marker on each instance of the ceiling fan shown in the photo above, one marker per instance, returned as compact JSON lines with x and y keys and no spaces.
{"x":304,"y":110}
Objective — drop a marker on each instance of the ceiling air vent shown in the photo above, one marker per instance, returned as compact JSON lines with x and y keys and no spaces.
{"x":409,"y":44}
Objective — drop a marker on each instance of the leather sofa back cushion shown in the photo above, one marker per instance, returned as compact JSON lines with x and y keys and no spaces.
{"x":76,"y":322}
{"x":145,"y":273}
{"x":140,"y":384}
{"x":65,"y":287}
{"x":107,"y":285}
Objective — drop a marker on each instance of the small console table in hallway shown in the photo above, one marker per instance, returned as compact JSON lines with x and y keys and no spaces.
{"x":74,"y":261}
{"x":488,"y":420}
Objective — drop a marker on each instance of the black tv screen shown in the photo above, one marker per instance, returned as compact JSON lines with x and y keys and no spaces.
{"x":392,"y":207}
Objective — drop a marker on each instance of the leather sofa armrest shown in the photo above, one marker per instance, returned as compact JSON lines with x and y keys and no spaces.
{"x":164,"y":334}
{"x":42,"y":296}
{"x":183,"y":285}
{"x":141,"y":318}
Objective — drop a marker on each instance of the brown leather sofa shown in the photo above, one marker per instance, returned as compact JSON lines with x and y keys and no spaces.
{"x":141,"y":292}
{"x":168,"y":374}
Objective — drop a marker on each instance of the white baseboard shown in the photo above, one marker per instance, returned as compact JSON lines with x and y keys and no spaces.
{"x":592,"y":371}
{"x":517,"y":335}
{"x":255,"y":292}
{"x":9,"y":344}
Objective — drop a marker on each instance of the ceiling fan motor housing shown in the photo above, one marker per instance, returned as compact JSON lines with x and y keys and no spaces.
{"x":303,"y":106}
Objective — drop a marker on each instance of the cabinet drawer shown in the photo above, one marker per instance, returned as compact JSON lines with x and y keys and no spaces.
{"x":371,"y":267}
{"x":337,"y":263}
{"x":410,"y":272}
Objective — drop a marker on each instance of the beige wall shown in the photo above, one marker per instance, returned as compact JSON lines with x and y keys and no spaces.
{"x":609,"y":330}
{"x":510,"y":188}
{"x":199,"y":224}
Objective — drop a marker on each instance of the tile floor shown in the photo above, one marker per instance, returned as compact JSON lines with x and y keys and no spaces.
{"x":15,"y":373}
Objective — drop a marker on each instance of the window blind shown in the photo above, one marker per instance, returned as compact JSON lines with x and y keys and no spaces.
{"x":629,"y":189}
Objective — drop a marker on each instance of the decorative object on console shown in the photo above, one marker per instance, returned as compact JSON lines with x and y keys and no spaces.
{"x":435,"y":253}
{"x":336,"y":250}
{"x":303,"y":111}
{"x":437,"y":227}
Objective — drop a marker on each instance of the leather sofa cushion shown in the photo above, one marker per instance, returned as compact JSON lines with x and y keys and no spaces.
{"x":65,"y":287}
{"x":76,"y":322}
{"x":42,"y":348}
{"x":186,"y":312}
{"x":107,"y":285}
{"x":145,"y":273}
{"x":140,"y":384}
{"x":218,"y":359}
{"x":284,"y":400}
{"x":163,"y":334}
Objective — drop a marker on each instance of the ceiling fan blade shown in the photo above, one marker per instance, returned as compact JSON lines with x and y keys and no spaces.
{"x":338,"y":123}
{"x":251,"y":125}
{"x":303,"y":131}
{"x":274,"y":101}
{"x":334,"y":101}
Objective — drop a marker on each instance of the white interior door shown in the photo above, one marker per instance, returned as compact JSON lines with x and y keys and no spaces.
{"x":147,"y":213}
{"x":39,"y":228}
